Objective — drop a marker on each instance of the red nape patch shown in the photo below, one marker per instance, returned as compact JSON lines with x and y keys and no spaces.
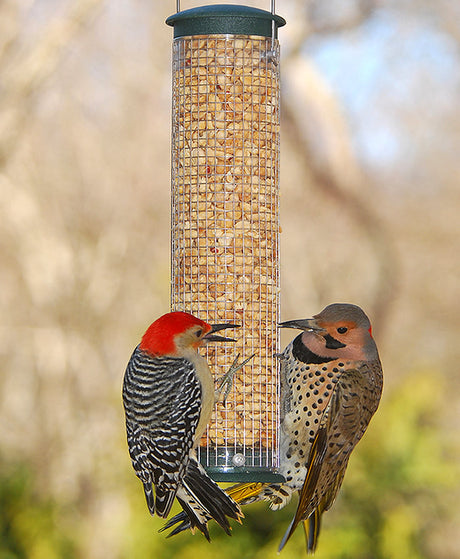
{"x":159,"y":337}
{"x":370,"y":330}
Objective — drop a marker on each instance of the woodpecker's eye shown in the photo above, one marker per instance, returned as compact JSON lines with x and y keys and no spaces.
{"x":342,"y":329}
{"x":199,"y":332}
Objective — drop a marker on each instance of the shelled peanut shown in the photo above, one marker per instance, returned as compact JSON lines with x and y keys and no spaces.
{"x":225,"y":218}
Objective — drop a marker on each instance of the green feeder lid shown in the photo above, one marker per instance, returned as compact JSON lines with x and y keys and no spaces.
{"x":224,"y":19}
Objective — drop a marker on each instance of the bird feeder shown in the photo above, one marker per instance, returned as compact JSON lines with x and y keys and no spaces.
{"x":225,"y":219}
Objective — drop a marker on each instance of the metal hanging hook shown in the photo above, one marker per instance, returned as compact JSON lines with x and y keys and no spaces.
{"x":272,"y":7}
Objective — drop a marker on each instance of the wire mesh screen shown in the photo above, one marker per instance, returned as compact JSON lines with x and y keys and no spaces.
{"x":225,"y":228}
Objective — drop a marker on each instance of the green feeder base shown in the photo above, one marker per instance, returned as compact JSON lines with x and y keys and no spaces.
{"x":232,"y":474}
{"x":242,"y":465}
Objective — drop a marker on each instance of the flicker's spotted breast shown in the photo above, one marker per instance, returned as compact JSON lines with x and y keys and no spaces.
{"x":308,"y":386}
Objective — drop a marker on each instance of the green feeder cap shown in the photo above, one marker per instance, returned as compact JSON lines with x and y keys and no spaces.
{"x":225,"y":19}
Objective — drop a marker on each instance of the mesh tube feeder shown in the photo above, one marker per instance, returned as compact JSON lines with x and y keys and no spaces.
{"x":225,"y":219}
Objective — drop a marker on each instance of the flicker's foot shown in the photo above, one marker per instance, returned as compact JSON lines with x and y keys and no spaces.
{"x":224,"y":384}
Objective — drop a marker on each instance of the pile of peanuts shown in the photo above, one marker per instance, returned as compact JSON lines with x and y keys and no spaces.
{"x":225,"y":220}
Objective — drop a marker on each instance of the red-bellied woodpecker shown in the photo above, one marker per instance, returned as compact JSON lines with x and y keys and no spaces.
{"x":168,"y":395}
{"x":331,"y":383}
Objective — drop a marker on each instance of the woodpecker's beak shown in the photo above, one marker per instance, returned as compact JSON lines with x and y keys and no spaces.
{"x":211,"y":337}
{"x":303,"y":324}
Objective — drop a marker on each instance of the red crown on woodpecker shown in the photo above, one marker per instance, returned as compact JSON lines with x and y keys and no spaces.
{"x":163,"y":336}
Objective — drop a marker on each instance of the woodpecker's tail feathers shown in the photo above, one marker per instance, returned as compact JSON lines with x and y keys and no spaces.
{"x":186,"y":521}
{"x":202,"y":500}
{"x":192,"y":516}
{"x":192,"y":521}
{"x":210,"y":496}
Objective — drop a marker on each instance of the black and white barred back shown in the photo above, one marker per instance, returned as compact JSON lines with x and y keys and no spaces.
{"x":162,"y":401}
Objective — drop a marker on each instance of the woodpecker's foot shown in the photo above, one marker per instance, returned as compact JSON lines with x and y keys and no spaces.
{"x":225,"y":383}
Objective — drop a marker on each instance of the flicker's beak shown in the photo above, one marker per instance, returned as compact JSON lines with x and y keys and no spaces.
{"x":211,"y":337}
{"x":303,"y":324}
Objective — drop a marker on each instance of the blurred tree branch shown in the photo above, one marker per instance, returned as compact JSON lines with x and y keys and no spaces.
{"x":23,"y":73}
{"x":449,"y":21}
{"x":338,"y":15}
{"x":319,"y":133}
{"x":9,"y":26}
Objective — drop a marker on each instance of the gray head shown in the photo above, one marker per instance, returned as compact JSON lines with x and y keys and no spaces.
{"x":341,"y":330}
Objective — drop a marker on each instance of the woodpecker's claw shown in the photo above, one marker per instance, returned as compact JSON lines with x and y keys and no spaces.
{"x":227,"y":380}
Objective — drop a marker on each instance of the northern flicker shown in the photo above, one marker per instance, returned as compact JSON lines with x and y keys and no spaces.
{"x":331,"y":383}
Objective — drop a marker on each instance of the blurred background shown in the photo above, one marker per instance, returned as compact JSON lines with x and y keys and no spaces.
{"x":370,"y":214}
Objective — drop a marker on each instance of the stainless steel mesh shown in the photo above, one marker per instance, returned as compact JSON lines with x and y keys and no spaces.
{"x":225,"y":227}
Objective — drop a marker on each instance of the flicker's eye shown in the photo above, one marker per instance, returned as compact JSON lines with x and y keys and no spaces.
{"x":342,"y":329}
